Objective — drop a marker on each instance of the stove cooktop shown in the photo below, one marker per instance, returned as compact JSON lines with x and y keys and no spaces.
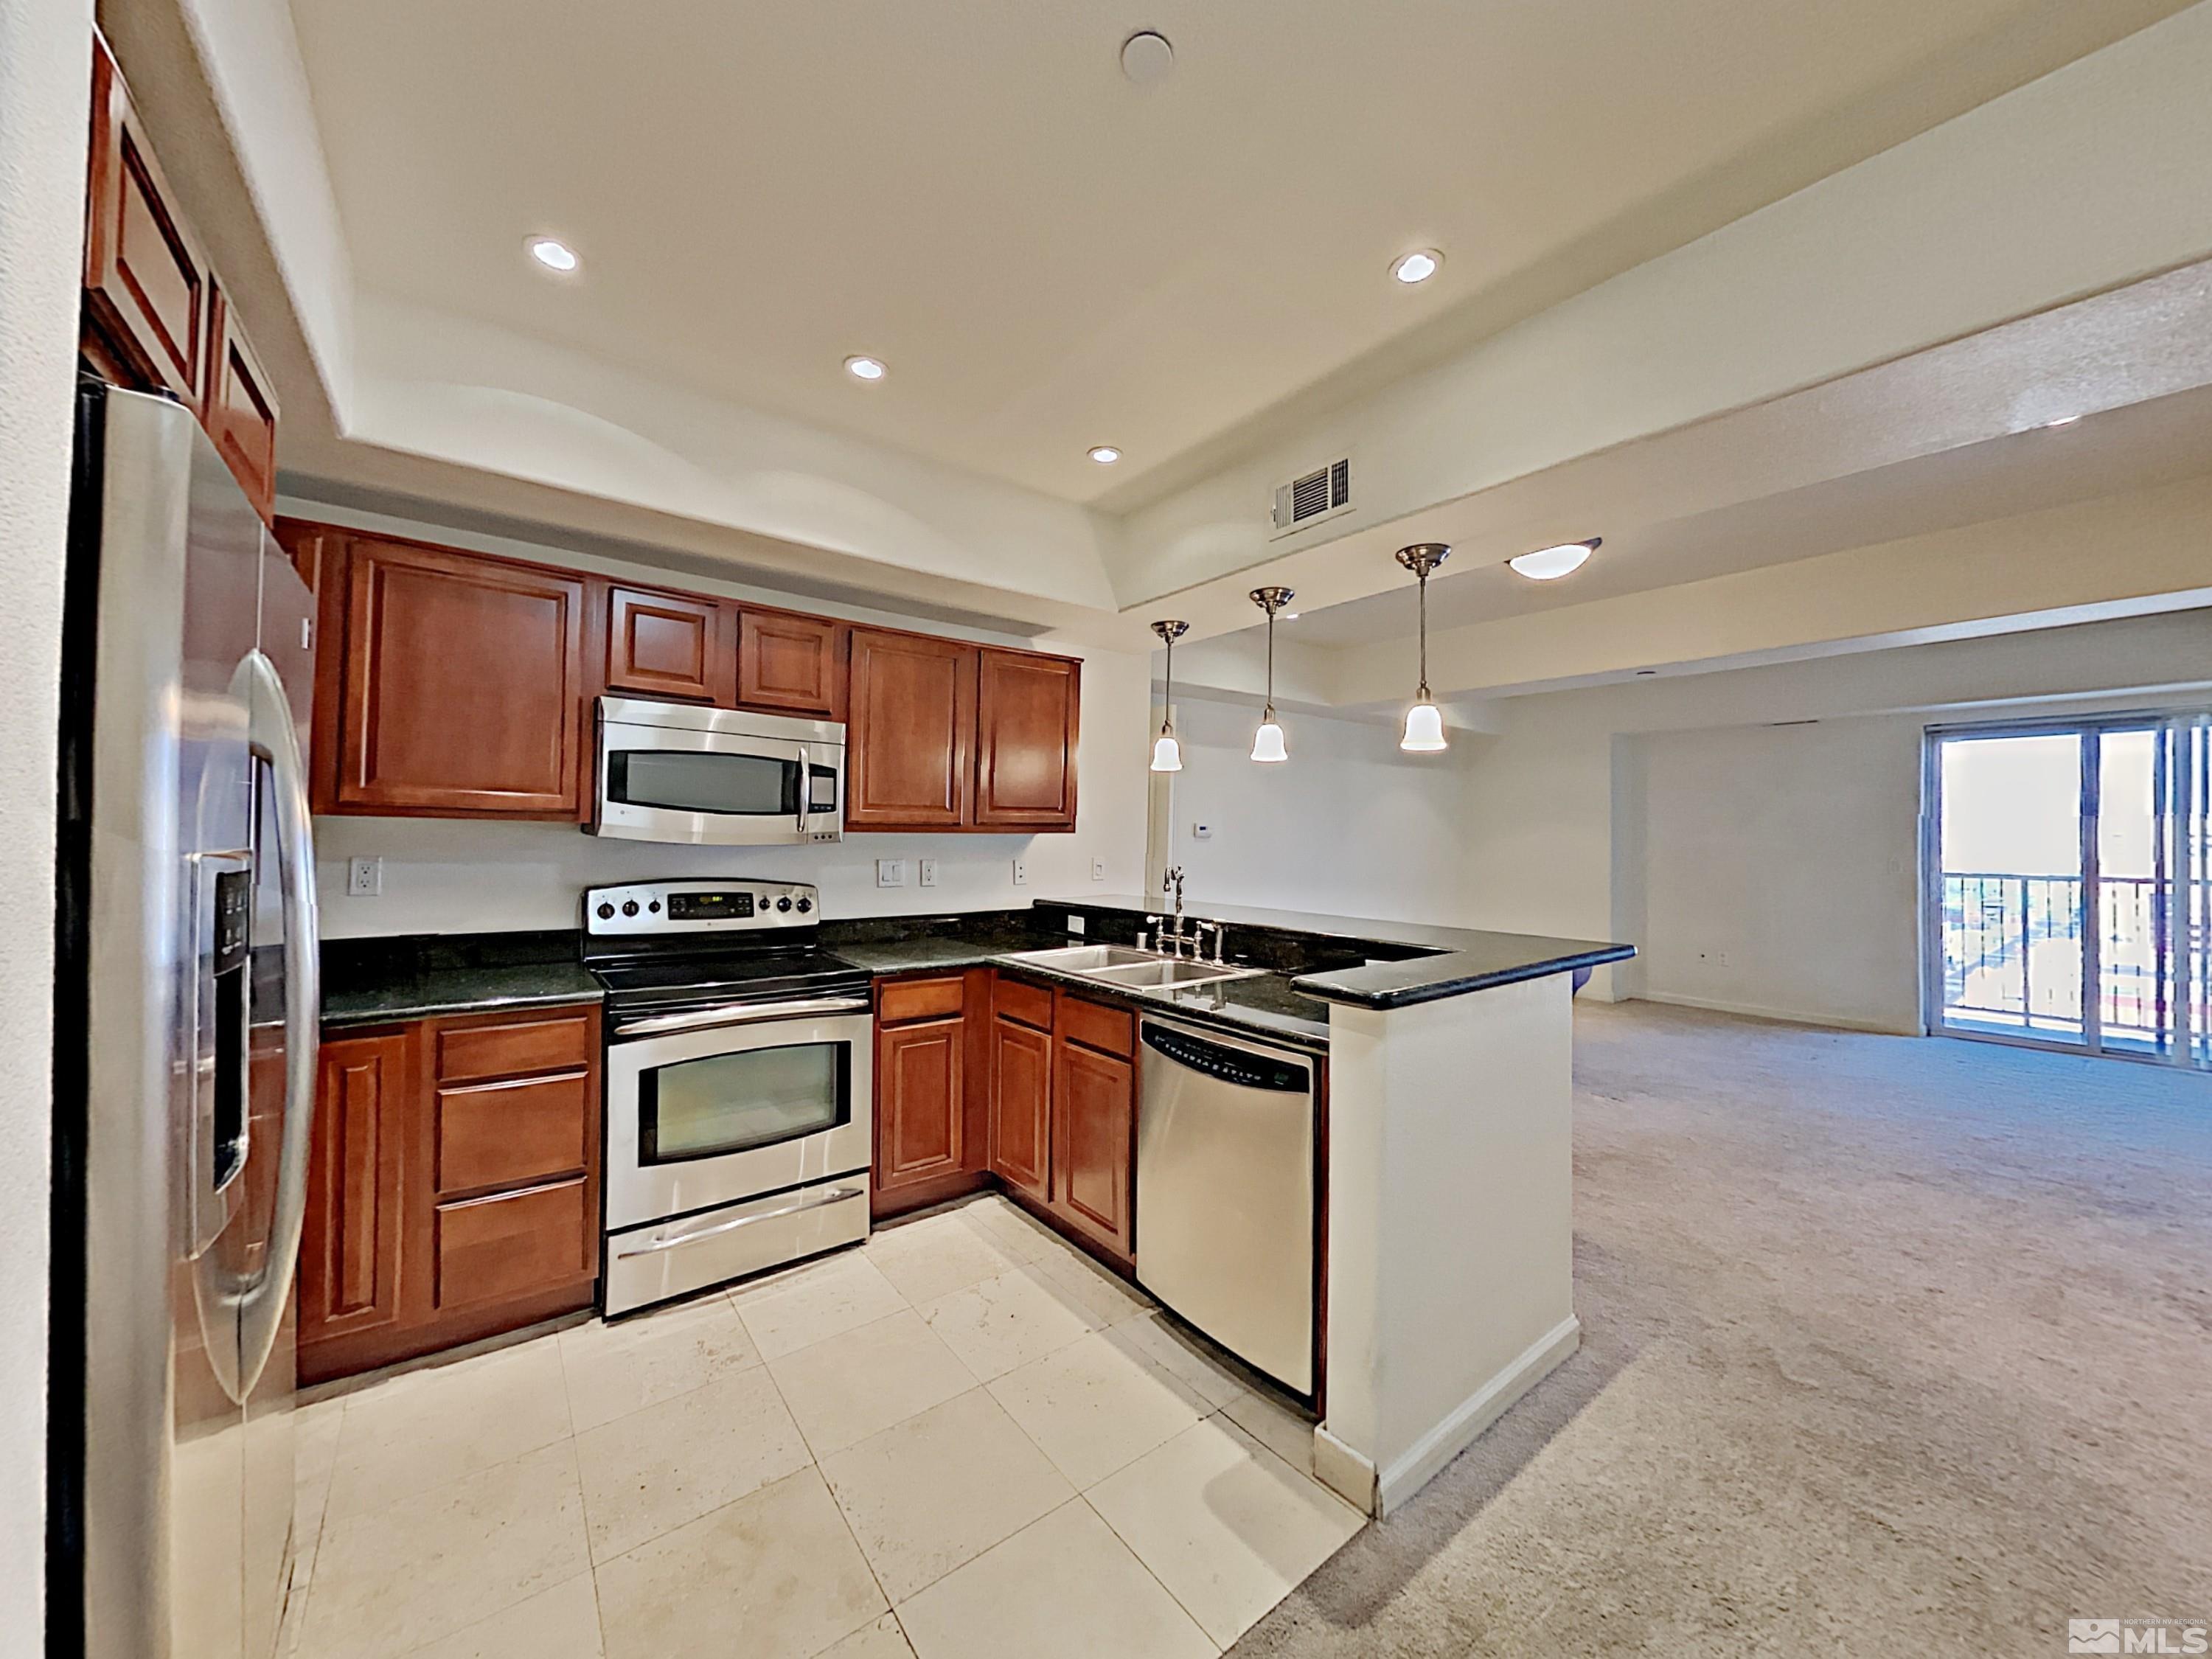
{"x":675,"y":945}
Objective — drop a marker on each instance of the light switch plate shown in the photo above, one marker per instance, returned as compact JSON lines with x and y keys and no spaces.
{"x":1021,"y":873}
{"x":1098,"y":869}
{"x":364,"y":877}
{"x":890,"y":872}
{"x":926,"y":870}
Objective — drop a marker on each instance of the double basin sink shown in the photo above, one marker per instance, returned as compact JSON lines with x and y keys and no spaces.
{"x":1131,"y":970}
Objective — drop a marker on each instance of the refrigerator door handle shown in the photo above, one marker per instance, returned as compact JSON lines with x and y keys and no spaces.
{"x":271,"y":736}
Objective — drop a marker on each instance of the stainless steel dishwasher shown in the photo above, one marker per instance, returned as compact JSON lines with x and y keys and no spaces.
{"x":1226,"y":1192}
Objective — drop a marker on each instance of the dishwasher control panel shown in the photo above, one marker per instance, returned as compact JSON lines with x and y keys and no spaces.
{"x":1231,"y":1065}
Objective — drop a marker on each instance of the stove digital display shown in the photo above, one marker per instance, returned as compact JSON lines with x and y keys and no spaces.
{"x":709,"y":907}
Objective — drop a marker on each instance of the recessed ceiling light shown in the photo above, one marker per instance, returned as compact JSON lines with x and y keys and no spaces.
{"x":1290,"y":616}
{"x":2064,"y":420}
{"x":552,"y":254}
{"x":1105,"y":454}
{"x":1418,"y":266}
{"x":1548,"y":564}
{"x":865,"y":368}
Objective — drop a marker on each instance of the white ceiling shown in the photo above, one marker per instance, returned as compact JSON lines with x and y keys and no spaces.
{"x":1048,"y":257}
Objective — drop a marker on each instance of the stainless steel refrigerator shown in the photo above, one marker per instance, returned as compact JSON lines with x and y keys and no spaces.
{"x":186,"y":1004}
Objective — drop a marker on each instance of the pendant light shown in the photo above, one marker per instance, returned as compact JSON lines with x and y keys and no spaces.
{"x":1425,"y":721}
{"x":1166,"y":753}
{"x":1267,"y":741}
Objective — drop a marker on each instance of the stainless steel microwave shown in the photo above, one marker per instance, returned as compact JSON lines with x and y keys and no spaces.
{"x":716,"y":777}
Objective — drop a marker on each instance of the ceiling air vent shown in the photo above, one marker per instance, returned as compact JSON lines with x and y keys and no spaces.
{"x":1312,"y":496}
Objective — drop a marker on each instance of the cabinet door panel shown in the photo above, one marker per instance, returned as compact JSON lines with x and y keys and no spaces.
{"x":667,"y":644}
{"x":910,"y":729}
{"x":1021,"y":1105}
{"x":1027,"y":716}
{"x":788,"y":663}
{"x":240,"y":411}
{"x":919,"y":1083}
{"x":1093,"y":1124}
{"x":349,"y":1243}
{"x":145,"y":282}
{"x":461,"y":688}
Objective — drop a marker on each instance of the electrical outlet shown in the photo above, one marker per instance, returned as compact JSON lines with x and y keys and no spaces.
{"x":890,"y":872}
{"x":1098,"y":869}
{"x":1021,"y":873}
{"x":364,"y":877}
{"x":1075,"y":924}
{"x":926,"y":869}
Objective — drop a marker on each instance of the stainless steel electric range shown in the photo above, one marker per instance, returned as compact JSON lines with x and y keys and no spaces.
{"x":739,"y":1084}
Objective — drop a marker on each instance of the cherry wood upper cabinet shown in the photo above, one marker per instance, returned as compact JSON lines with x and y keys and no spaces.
{"x":460,"y":689}
{"x":240,"y":412}
{"x":1027,"y":713}
{"x":910,"y":729}
{"x":668,"y":645}
{"x":349,"y":1242}
{"x":146,"y":291}
{"x":789,"y":663}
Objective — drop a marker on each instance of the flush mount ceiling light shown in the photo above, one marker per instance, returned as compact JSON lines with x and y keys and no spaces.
{"x":553,"y":254}
{"x":865,"y":368}
{"x":1147,"y":55}
{"x":1418,"y":266}
{"x":1548,"y":564}
{"x":1166,"y":753}
{"x":1425,"y":721}
{"x":2064,"y":420}
{"x":1104,"y":454}
{"x":1267,"y":741}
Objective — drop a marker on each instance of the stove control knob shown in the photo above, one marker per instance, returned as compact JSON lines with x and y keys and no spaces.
{"x":804,"y":905}
{"x":629,"y":907}
{"x":784,"y":904}
{"x":654,"y":907}
{"x":605,"y":911}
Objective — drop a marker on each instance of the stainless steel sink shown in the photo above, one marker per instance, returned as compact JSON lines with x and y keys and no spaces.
{"x":1084,"y":958}
{"x":1136,"y":970}
{"x":1171,"y":971}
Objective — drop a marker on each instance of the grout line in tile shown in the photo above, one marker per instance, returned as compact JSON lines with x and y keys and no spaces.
{"x":1205,"y":1634}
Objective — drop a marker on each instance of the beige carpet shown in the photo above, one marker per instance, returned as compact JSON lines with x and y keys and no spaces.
{"x":1891,"y":1346}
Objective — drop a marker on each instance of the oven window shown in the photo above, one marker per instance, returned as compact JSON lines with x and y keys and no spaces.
{"x":735,"y":1103}
{"x":744,"y":786}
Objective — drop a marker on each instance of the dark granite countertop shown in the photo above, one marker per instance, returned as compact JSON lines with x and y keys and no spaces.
{"x":1421,"y":963}
{"x":375,"y":981}
{"x":1262,"y":1004}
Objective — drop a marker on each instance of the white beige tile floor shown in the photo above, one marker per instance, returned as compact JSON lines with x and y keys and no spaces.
{"x":960,"y":1441}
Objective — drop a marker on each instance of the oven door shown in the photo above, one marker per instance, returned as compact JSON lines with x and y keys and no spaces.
{"x":718,"y":788}
{"x":709,"y":1114}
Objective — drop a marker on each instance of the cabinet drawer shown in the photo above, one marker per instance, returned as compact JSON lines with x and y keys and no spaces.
{"x":920,"y":999}
{"x":1095,"y":1025}
{"x":1030,"y":1003}
{"x":490,"y":1249}
{"x":502,"y":1135}
{"x":559,"y":1040}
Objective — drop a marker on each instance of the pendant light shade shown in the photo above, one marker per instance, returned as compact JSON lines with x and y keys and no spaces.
{"x":1166,"y":753}
{"x":1267,"y":745}
{"x":1425,"y":729}
{"x":1425,"y":721}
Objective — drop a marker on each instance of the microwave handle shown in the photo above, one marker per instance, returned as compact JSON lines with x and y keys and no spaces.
{"x":805,"y":788}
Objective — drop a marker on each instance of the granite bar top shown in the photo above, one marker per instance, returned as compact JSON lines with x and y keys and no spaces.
{"x":377,"y":981}
{"x":1388,"y":964}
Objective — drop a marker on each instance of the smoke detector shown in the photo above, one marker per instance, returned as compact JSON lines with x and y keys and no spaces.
{"x":1146,"y":57}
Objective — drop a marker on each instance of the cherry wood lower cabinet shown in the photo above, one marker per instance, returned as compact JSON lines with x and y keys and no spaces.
{"x":1094,"y":1132}
{"x":453,"y":1186}
{"x":932,"y":1064}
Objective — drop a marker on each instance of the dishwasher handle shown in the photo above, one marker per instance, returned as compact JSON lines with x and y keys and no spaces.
{"x":1231,"y":1063}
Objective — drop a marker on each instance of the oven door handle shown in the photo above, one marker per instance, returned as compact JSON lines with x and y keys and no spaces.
{"x":738,"y":1013}
{"x":812,"y":1202}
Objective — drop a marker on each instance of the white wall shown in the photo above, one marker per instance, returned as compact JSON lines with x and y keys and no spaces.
{"x":1673,"y":814}
{"x":46,"y":68}
{"x":1347,"y":826}
{"x":443,"y":876}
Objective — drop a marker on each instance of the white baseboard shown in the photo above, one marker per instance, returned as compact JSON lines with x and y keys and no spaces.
{"x":1414,"y":1471}
{"x":1344,"y":1471}
{"x":1783,"y":1016}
